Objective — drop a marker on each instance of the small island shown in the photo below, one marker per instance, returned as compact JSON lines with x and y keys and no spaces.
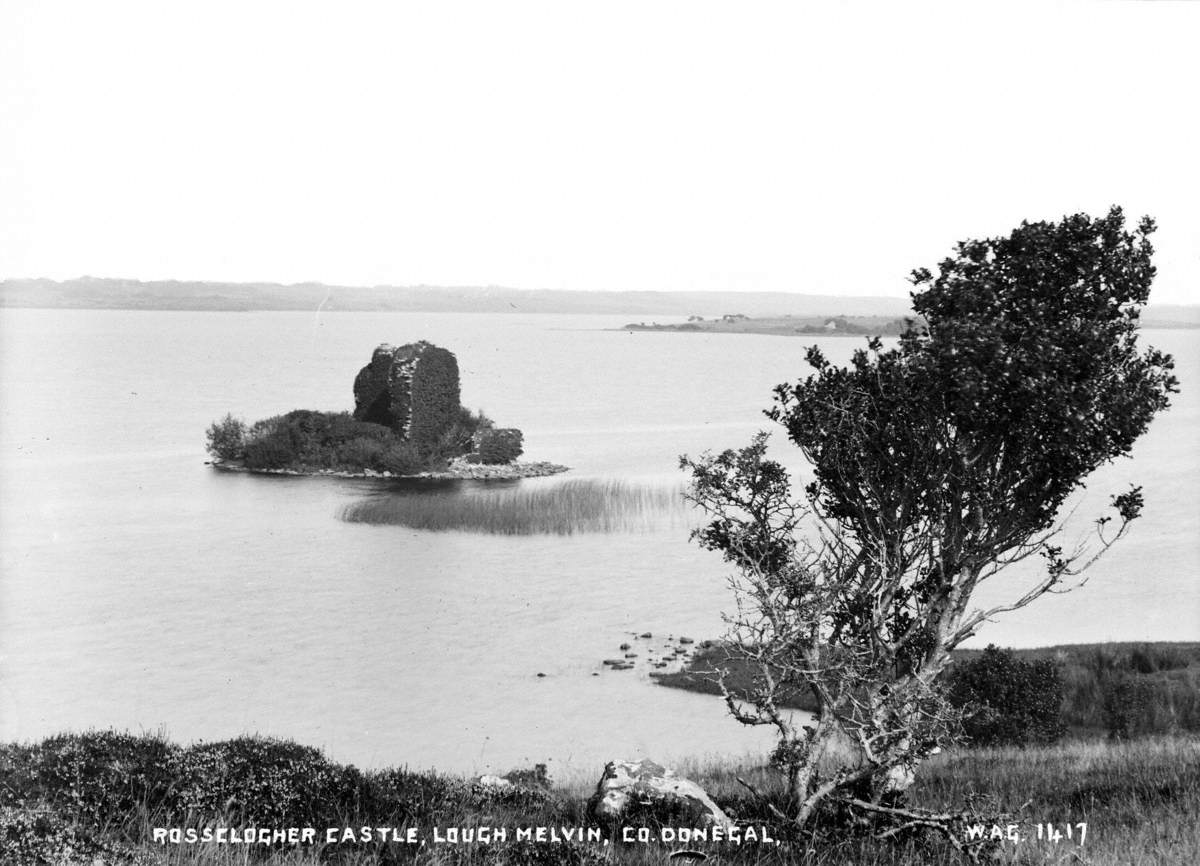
{"x":408,"y":421}
{"x":786,"y":326}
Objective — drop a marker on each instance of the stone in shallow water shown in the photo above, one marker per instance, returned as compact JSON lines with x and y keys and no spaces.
{"x":645,"y":785}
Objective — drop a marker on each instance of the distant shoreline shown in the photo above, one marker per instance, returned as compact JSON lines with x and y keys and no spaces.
{"x":780,"y":326}
{"x":91,"y":293}
{"x":1161,"y":674}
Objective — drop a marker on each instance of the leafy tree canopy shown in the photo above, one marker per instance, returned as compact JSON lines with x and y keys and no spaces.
{"x":1023,"y":377}
{"x":936,"y":463}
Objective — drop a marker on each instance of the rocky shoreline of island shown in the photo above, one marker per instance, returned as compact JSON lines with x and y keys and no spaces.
{"x":456,"y":470}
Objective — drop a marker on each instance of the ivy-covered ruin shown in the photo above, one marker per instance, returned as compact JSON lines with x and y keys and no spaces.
{"x":408,"y":418}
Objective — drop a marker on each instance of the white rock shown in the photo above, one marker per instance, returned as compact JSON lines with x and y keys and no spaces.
{"x":627,"y":782}
{"x":497,"y":782}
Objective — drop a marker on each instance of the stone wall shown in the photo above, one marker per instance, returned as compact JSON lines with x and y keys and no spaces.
{"x":413,"y":389}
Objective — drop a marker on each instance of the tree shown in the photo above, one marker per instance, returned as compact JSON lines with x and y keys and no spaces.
{"x":1007,"y":701}
{"x":936,"y":464}
{"x":226,"y":438}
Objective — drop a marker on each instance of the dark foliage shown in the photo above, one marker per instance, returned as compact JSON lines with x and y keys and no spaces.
{"x":226,"y":438}
{"x":305,"y":439}
{"x":74,"y":798}
{"x":274,"y":451}
{"x":89,"y":776}
{"x":402,"y":458}
{"x":1025,"y":378}
{"x":435,"y":397}
{"x":965,"y":439}
{"x":362,"y":452}
{"x":1150,"y":658}
{"x":48,"y":838}
{"x":936,"y":464}
{"x":500,"y":445}
{"x":408,"y":796}
{"x":263,"y":782}
{"x":1009,"y":702}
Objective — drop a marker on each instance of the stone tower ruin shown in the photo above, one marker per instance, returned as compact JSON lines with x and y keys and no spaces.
{"x":412,"y":389}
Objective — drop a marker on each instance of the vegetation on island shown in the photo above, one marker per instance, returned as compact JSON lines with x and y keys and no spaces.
{"x":407,"y":420}
{"x":936,"y":464}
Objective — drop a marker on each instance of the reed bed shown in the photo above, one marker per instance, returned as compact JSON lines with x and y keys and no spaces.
{"x":557,"y":508}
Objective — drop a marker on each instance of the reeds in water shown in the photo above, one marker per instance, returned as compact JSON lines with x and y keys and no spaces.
{"x":560,"y":508}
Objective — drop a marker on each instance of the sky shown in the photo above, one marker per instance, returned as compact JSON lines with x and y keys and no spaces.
{"x":818,"y":148}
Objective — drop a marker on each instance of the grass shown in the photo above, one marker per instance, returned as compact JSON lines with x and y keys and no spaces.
{"x":87,"y":798}
{"x":561,"y":508}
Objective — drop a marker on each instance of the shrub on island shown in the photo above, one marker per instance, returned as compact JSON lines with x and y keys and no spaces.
{"x":273,"y":451}
{"x":227,"y":438}
{"x":402,"y":458}
{"x":499,"y":445}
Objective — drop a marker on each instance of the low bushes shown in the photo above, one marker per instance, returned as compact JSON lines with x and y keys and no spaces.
{"x":79,"y":799}
{"x":1009,"y":702}
{"x":226,"y":438}
{"x":402,"y":458}
{"x":362,"y":451}
{"x":262,"y":782}
{"x":90,"y":776}
{"x":304,"y":440}
{"x":499,"y":445}
{"x":270,"y":452}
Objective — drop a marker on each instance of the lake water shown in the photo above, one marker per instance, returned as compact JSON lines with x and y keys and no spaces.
{"x":141,"y":589}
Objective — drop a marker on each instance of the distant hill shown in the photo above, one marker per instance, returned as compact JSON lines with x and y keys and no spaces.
{"x":94,"y":293}
{"x":1171,"y":316}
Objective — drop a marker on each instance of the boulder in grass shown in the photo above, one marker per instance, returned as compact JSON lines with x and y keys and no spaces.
{"x":494,"y":783}
{"x":629,"y":789}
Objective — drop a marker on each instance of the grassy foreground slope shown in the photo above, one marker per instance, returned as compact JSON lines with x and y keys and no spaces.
{"x":98,"y":797}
